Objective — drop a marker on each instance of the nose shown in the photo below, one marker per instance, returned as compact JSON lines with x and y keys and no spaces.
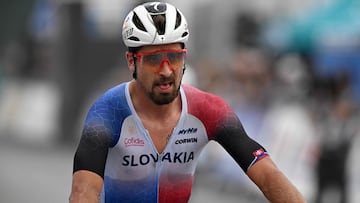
{"x":165,"y":68}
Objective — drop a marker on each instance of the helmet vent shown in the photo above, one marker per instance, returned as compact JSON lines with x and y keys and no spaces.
{"x":178,"y":19}
{"x":134,"y":38}
{"x":159,"y":22}
{"x":184,"y":34}
{"x":138,"y":23}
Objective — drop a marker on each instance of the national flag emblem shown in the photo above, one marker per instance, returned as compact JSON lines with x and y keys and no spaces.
{"x":259,"y":152}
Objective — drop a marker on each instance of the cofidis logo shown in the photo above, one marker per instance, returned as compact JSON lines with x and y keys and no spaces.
{"x":133,"y":141}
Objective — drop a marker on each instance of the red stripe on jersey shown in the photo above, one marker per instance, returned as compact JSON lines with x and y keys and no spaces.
{"x":210,"y":109}
{"x":175,"y":188}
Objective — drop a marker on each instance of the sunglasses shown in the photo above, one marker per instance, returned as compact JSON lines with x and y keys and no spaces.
{"x":174,"y":57}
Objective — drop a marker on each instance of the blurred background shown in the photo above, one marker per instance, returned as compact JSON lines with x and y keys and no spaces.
{"x":290,"y":69}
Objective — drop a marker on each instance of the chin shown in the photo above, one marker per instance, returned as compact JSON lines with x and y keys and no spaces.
{"x":164,"y":98}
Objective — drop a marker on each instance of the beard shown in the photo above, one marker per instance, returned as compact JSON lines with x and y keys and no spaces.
{"x":160,"y":98}
{"x":164,"y":98}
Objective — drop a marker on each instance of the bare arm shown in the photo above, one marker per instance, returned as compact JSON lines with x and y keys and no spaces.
{"x":273,"y":183}
{"x":86,"y":187}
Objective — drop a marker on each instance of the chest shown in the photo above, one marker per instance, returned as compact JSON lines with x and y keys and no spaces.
{"x":160,"y":133}
{"x":138,"y":138}
{"x":140,"y":152}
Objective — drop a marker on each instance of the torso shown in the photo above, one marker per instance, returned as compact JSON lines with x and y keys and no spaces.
{"x":155,"y":157}
{"x":142,"y":165}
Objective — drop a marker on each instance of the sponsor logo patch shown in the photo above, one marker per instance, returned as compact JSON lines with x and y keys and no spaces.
{"x":133,"y":141}
{"x":187,"y":131}
{"x":186,"y":140}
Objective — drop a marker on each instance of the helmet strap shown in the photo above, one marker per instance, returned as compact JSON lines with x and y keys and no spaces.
{"x":134,"y":75}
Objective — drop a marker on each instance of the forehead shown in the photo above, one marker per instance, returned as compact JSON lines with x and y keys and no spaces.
{"x":151,"y":48}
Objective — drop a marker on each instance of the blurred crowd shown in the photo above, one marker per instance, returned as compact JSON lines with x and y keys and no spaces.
{"x":308,"y":123}
{"x":294,"y":81}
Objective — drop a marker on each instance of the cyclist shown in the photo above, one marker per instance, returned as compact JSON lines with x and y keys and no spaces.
{"x":142,"y":138}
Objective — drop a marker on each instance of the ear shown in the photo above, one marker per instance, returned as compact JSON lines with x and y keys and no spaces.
{"x":130,"y":61}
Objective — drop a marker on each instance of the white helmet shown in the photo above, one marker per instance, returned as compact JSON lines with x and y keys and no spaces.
{"x":139,"y":28}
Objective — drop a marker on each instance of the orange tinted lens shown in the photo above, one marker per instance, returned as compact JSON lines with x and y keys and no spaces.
{"x":153,"y":59}
{"x":175,"y":58}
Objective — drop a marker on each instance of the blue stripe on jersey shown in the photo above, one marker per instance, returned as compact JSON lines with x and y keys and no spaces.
{"x":110,"y":111}
{"x":138,"y":191}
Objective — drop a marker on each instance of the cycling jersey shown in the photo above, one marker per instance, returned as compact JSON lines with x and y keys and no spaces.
{"x":115,"y":145}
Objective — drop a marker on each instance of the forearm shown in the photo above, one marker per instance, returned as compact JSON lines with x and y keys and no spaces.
{"x":86,"y":187}
{"x":273,"y":183}
{"x":84,"y":196}
{"x":278,"y":189}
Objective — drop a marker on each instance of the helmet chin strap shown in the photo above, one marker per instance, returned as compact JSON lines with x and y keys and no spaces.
{"x":134,"y":74}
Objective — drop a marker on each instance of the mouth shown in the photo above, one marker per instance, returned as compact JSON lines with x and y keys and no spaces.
{"x":165,"y":86}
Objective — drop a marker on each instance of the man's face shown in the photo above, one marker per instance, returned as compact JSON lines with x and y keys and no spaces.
{"x":160,"y":70}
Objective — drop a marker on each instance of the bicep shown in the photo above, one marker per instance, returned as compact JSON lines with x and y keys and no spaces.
{"x":100,"y":132}
{"x":92,"y":151}
{"x":233,"y":138}
{"x":89,"y":163}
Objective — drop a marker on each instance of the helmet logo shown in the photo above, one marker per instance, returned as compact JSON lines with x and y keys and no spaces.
{"x":128,"y":33}
{"x":156,"y":7}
